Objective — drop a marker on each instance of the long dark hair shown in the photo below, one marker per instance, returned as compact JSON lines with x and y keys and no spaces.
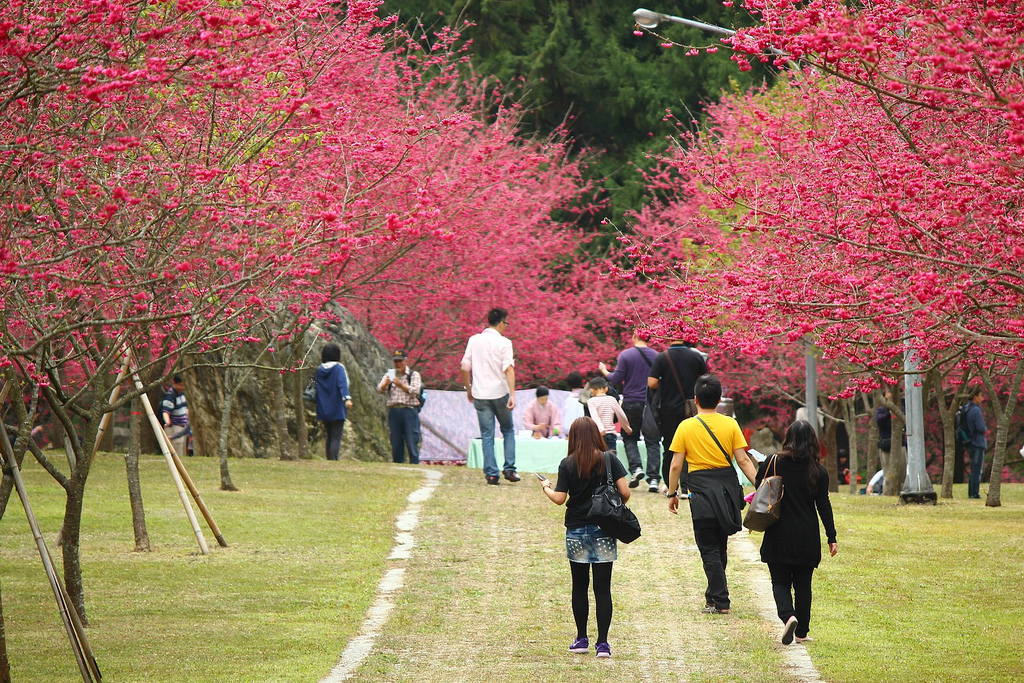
{"x":586,"y":446}
{"x":801,"y":443}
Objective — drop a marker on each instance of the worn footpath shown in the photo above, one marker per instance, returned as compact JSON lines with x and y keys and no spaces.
{"x":485,"y":597}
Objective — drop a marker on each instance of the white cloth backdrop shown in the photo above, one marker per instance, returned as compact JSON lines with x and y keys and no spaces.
{"x":449,"y":422}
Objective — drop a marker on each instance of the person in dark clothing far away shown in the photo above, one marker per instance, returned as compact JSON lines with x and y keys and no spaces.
{"x":978,"y":444}
{"x":673,"y":374}
{"x":792,"y":546}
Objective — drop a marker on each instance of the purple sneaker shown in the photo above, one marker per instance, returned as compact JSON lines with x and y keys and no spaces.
{"x":580,"y":645}
{"x":603,"y":650}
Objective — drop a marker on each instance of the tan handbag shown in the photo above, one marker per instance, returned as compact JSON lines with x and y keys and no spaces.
{"x":766,"y":505}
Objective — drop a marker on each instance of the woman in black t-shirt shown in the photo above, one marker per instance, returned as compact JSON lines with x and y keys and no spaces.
{"x":586,"y":545}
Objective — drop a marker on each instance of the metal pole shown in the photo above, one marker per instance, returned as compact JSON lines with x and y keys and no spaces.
{"x":811,"y":386}
{"x":918,"y":486}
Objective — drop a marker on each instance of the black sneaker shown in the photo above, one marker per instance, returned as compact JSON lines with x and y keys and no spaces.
{"x":493,"y":481}
{"x":511,"y":475}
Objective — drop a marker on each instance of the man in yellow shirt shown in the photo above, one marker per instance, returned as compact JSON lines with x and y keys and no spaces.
{"x":709,"y":442}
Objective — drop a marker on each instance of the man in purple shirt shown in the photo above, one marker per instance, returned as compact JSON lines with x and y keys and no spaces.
{"x":631,"y":372}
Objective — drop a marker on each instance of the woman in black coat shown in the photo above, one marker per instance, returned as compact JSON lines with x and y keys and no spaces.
{"x":792,"y":546}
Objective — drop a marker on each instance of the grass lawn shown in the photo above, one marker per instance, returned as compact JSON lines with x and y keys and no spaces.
{"x":308,"y":542}
{"x":923,"y":592}
{"x":916,"y":593}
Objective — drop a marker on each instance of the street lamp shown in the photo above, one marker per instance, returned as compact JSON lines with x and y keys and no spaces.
{"x":650,"y":20}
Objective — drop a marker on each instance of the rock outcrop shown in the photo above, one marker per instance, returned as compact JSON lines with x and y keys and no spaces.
{"x":253,"y":432}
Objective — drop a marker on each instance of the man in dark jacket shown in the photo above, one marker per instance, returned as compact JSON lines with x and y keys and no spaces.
{"x":672,"y":375}
{"x":978,"y":444}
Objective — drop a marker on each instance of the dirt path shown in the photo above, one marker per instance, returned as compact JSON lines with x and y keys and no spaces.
{"x":486,"y":598}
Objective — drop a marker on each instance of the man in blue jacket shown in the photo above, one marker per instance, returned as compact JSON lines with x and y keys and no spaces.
{"x":977,"y":445}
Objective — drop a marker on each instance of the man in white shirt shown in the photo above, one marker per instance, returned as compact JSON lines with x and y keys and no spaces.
{"x":489,"y":376}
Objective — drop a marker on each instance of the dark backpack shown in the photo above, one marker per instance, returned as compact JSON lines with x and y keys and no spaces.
{"x":960,"y":426}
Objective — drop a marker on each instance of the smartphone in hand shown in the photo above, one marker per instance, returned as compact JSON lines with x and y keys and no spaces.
{"x":540,"y":476}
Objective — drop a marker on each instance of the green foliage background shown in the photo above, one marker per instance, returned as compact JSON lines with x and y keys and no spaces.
{"x":578,"y":63}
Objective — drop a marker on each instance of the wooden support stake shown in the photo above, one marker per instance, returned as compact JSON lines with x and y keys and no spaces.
{"x":69,"y":615}
{"x":114,"y":393}
{"x":193,"y":490}
{"x":158,"y":432}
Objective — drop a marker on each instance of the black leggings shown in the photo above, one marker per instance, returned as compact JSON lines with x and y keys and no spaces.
{"x":602,"y":597}
{"x":791,"y":585}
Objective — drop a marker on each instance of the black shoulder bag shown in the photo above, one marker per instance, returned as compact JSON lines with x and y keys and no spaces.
{"x":609,"y":512}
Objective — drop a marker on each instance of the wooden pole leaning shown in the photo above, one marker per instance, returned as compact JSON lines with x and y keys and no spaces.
{"x":69,"y":615}
{"x":192,"y":489}
{"x":158,"y":431}
{"x":114,"y":393}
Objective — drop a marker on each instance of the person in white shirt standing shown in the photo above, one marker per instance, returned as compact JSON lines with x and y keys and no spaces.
{"x":489,"y":376}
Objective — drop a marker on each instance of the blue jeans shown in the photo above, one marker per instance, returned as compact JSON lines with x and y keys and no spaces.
{"x":977,"y":456}
{"x":486,"y":410}
{"x":404,"y":425}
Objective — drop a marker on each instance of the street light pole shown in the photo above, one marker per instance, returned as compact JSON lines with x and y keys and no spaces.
{"x":650,"y":19}
{"x":918,"y":486}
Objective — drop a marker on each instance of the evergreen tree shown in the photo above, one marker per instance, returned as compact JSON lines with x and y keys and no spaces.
{"x":580,"y":64}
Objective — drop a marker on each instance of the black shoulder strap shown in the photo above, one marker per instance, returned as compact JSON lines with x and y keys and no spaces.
{"x":608,"y":467}
{"x":679,"y":385}
{"x":644,"y":357}
{"x":728,"y":456}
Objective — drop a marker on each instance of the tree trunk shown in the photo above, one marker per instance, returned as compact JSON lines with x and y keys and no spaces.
{"x":301,"y":430}
{"x":872,"y":459}
{"x":71,"y":534}
{"x":281,"y":416}
{"x":1003,"y":416}
{"x":850,"y":418}
{"x":896,"y":470}
{"x":831,"y":460}
{"x":131,"y":464}
{"x":225,"y":431}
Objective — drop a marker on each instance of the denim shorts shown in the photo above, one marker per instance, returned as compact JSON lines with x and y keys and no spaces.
{"x":588,"y":544}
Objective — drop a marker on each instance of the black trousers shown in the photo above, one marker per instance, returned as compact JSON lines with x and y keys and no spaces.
{"x":334,"y":429}
{"x":789,"y":580}
{"x":712,"y":543}
{"x":667,"y":424}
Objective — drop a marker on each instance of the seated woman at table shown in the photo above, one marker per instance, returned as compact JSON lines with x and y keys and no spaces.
{"x":541,"y":416}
